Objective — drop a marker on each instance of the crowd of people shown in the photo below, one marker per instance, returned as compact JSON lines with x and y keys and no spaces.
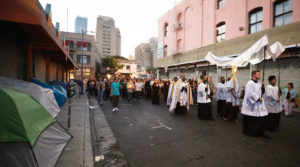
{"x":261,"y":105}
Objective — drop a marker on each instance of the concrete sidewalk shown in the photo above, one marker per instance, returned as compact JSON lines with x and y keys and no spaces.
{"x":79,"y":152}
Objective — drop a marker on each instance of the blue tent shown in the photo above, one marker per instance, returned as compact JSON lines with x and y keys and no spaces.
{"x":63,"y":84}
{"x":60,"y":96}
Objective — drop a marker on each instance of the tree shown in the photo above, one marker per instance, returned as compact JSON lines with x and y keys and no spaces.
{"x":112,"y":64}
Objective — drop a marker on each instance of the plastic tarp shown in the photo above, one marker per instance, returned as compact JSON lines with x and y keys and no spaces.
{"x":50,"y":144}
{"x":22,"y":118}
{"x":44,"y":96}
{"x":63,"y":84}
{"x":253,"y":55}
{"x":59,"y":96}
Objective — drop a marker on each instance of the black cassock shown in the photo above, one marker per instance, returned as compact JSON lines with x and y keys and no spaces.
{"x":166,"y":90}
{"x":147,"y":89}
{"x":155,"y":94}
{"x":204,"y":111}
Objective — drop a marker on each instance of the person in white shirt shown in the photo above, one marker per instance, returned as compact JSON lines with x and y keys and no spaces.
{"x":272,"y":102}
{"x":138,"y":89}
{"x":221,"y":96}
{"x":254,"y":109}
{"x":204,"y":100}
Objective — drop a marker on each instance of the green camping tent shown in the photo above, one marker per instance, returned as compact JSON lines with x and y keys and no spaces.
{"x":29,"y":136}
{"x":22,"y":117}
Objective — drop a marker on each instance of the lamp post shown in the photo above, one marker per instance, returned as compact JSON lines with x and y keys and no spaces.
{"x":82,"y":50}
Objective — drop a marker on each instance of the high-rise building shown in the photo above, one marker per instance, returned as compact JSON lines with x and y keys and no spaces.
{"x":146,"y":53}
{"x":81,"y":23}
{"x":108,"y":37}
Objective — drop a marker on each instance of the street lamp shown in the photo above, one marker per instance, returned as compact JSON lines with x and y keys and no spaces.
{"x":82,"y":50}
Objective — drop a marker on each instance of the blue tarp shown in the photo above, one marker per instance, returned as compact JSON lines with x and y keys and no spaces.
{"x":60,"y":96}
{"x":63,"y":84}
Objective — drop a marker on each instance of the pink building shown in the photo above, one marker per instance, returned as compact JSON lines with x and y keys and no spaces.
{"x":196,"y":23}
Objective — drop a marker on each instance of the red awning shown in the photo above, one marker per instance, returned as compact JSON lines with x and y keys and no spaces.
{"x":78,"y":43}
{"x":84,"y":44}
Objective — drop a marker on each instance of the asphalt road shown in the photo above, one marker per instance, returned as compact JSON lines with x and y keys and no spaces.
{"x":150,"y":136}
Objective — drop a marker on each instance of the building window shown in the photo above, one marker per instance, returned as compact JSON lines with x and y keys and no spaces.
{"x":127,"y":67}
{"x":283,"y":12}
{"x":255,"y":20}
{"x":86,"y":59}
{"x":221,"y":27}
{"x":165,"y":50}
{"x":166,"y":29}
{"x":221,"y":3}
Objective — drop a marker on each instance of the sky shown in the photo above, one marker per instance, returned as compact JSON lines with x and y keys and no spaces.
{"x":136,"y":19}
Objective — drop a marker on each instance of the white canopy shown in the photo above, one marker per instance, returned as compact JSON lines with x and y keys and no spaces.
{"x":44,"y":96}
{"x":253,"y":55}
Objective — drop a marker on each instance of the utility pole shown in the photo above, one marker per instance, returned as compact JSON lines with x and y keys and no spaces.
{"x":81,"y":52}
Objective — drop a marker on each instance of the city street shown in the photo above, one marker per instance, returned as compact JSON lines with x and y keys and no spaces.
{"x":150,"y":136}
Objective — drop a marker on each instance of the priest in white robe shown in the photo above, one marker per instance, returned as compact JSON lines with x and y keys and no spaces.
{"x":272,"y":102}
{"x":233,"y":89}
{"x":254,"y":109}
{"x":204,"y":100}
{"x":221,"y":96}
{"x":181,"y":97}
{"x":171,"y":91}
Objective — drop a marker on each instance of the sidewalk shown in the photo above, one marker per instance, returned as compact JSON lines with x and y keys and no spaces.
{"x":79,"y":152}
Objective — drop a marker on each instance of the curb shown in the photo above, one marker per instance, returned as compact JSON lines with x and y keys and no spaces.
{"x":105,"y":146}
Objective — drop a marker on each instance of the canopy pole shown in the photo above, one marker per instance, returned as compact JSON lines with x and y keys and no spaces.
{"x":207,"y":69}
{"x":226,"y":73}
{"x":278,"y":66}
{"x":265,"y":47}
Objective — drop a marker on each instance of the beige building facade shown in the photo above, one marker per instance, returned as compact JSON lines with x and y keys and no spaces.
{"x":91,"y":55}
{"x":146,"y":53}
{"x":108,"y":37}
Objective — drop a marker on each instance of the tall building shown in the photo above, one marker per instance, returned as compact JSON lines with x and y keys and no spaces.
{"x":81,"y":23}
{"x":146,"y":53}
{"x":108,"y":37}
{"x":90,"y":53}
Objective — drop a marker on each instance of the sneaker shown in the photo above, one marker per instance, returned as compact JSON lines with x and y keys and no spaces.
{"x":114,"y":109}
{"x":117,"y":109}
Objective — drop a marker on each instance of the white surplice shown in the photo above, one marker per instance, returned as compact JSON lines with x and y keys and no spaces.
{"x":251,"y":104}
{"x":235,"y":90}
{"x":221,"y":91}
{"x":271,"y":97}
{"x":170,"y":92}
{"x":203,"y":93}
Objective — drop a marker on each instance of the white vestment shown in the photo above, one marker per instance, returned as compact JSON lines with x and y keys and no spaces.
{"x":271,"y":97}
{"x":203,"y":93}
{"x":178,"y":95}
{"x":235,"y":90}
{"x":251,"y":104}
{"x":170,"y":93}
{"x":221,"y":91}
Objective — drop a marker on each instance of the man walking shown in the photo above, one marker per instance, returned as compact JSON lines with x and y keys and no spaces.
{"x":115,"y":92}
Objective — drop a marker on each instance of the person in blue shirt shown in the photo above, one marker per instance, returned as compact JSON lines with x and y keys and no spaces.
{"x":115,"y":93}
{"x":289,"y":95}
